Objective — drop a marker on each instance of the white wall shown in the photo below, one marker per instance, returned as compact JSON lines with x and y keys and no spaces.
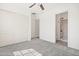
{"x":14,"y":25}
{"x":73,"y":27}
{"x":20,"y":8}
{"x":47,"y":23}
{"x":46,"y":27}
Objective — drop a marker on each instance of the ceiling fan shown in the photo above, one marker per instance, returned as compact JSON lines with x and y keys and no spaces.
{"x":41,"y":6}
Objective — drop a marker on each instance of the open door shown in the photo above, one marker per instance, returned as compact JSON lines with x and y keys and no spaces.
{"x":62,"y":28}
{"x":34,"y":26}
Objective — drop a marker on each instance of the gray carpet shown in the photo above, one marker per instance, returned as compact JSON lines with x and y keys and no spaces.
{"x":43,"y":47}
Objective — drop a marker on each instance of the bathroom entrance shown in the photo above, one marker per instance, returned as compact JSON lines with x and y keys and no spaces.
{"x":62,"y":28}
{"x":34,"y":26}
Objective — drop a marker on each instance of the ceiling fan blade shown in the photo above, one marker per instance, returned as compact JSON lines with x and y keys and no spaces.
{"x":42,"y":7}
{"x":32,"y":5}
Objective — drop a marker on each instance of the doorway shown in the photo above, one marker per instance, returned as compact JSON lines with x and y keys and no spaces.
{"x":62,"y":28}
{"x":34,"y":26}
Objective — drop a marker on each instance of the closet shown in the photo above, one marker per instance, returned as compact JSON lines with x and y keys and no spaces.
{"x":62,"y":28}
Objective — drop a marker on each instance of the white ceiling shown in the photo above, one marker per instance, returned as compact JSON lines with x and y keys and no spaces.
{"x":22,"y":8}
{"x":14,"y":7}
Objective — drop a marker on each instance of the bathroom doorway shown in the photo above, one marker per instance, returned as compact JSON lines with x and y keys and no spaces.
{"x":62,"y":28}
{"x":34,"y":26}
